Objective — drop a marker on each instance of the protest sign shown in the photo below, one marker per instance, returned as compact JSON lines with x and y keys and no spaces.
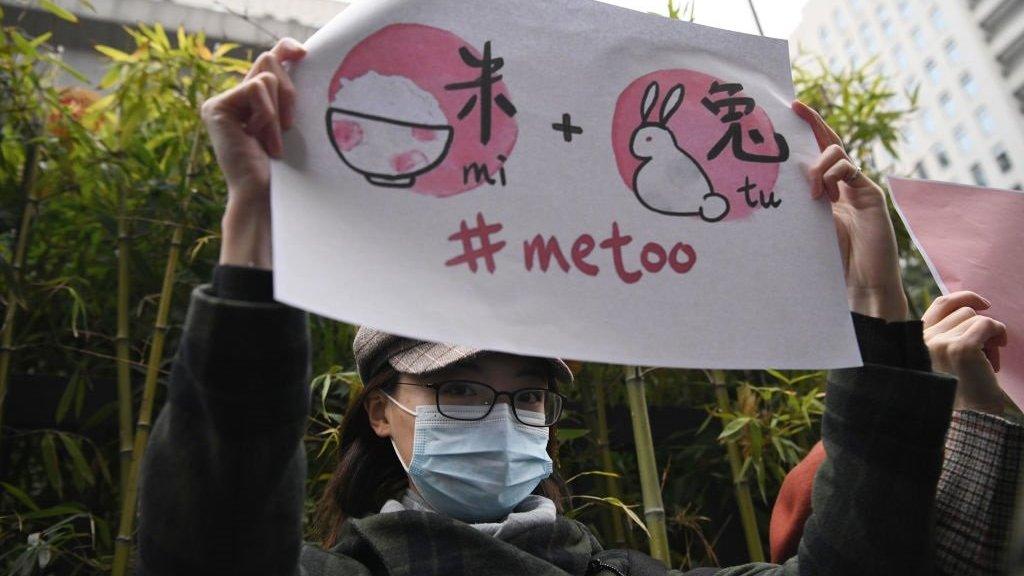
{"x":558,"y":178}
{"x":971,"y":239}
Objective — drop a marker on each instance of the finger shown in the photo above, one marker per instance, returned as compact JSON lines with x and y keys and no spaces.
{"x":828,"y":158}
{"x":955,"y":318}
{"x":841,"y":171}
{"x":945,"y":305}
{"x":284,"y":90}
{"x":263,"y":123}
{"x":992,"y":353}
{"x":288,"y":50}
{"x":983,"y":331}
{"x":823,"y":133}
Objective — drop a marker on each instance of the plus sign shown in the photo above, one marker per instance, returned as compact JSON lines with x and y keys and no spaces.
{"x":566,"y":127}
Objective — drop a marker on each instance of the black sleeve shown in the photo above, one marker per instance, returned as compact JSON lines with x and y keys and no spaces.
{"x":223,"y":478}
{"x":883,"y":430}
{"x":873,"y":496}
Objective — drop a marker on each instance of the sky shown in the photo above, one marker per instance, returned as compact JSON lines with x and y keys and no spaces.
{"x":778,"y":17}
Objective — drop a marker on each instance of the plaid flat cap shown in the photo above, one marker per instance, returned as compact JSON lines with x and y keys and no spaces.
{"x":374,"y":348}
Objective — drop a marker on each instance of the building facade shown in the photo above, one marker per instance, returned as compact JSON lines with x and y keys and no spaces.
{"x":967,"y":57}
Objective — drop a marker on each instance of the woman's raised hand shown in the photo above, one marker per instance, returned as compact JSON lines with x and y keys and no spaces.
{"x":245,"y":125}
{"x":965,"y":344}
{"x":866,"y":237}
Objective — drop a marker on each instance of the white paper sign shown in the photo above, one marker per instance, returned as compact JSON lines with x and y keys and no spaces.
{"x":558,"y":178}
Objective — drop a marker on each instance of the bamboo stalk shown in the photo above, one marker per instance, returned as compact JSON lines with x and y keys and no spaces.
{"x":123,"y":545}
{"x":605,"y":453}
{"x":589,"y":413}
{"x":28,"y":181}
{"x":121,"y":341}
{"x":740,"y":485}
{"x":650,"y":485}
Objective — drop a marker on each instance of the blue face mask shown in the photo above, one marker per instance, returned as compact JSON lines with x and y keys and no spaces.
{"x":476,"y":471}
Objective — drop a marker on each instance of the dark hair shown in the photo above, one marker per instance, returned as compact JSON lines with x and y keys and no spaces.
{"x":369,"y":474}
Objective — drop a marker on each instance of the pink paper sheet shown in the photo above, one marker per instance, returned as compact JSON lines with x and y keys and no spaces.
{"x":973,"y":239}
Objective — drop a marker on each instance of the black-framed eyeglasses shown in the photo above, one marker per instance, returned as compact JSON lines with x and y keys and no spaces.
{"x":456,"y":399}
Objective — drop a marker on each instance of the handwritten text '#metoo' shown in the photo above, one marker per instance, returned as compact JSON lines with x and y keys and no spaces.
{"x":478,"y":242}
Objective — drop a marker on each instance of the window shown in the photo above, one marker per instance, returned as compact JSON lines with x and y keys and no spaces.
{"x":928,"y":120}
{"x":952,"y":51}
{"x":867,"y":38}
{"x":968,"y":84}
{"x":1002,"y":158}
{"x":851,"y":53}
{"x":920,"y":172}
{"x":909,"y":136}
{"x":963,"y":139}
{"x":823,"y":35}
{"x":904,"y":7}
{"x":1018,"y":186}
{"x":978,"y":173}
{"x":984,"y":121}
{"x":918,"y":37}
{"x":857,"y":4}
{"x":938,"y":21}
{"x":932,"y":69}
{"x":839,"y":18}
{"x":833,"y":65}
{"x":887,"y":28}
{"x":939,"y":151}
{"x":901,"y":56}
{"x":910,"y":84}
{"x":946,"y":101}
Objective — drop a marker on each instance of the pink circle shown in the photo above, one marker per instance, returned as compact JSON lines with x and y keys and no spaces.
{"x":697,"y":130}
{"x":430,"y":58}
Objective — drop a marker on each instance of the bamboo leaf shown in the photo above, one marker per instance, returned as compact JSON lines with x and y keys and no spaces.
{"x":222,"y":49}
{"x":778,"y":375}
{"x":50,"y":463}
{"x":593,"y":473}
{"x":733,"y":427}
{"x":39,"y":40}
{"x":57,"y":11}
{"x":58,"y":510}
{"x":78,"y":459}
{"x":114,"y":54}
{"x":620,"y":505}
{"x":569,"y":434}
{"x":19,"y":495}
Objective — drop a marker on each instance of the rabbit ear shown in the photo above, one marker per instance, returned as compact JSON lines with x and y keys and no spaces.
{"x":650,"y":98}
{"x":672,"y":102}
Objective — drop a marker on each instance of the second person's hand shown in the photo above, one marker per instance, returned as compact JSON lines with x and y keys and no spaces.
{"x":965,"y":344}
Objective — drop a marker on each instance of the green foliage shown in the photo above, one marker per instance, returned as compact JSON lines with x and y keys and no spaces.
{"x":774,"y":425}
{"x":89,"y":151}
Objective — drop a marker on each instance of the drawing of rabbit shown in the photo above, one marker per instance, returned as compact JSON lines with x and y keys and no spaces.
{"x":669,"y":180}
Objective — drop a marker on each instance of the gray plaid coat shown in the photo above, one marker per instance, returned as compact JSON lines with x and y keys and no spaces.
{"x":223,"y":480}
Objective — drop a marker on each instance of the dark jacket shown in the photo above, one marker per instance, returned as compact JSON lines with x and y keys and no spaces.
{"x":224,"y":476}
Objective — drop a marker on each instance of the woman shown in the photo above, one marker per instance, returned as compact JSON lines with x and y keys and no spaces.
{"x":431,"y":483}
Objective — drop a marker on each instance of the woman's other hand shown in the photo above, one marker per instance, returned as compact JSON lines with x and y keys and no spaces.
{"x":866,"y":237}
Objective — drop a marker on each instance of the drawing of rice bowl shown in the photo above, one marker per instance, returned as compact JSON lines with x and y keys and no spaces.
{"x":388,"y":129}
